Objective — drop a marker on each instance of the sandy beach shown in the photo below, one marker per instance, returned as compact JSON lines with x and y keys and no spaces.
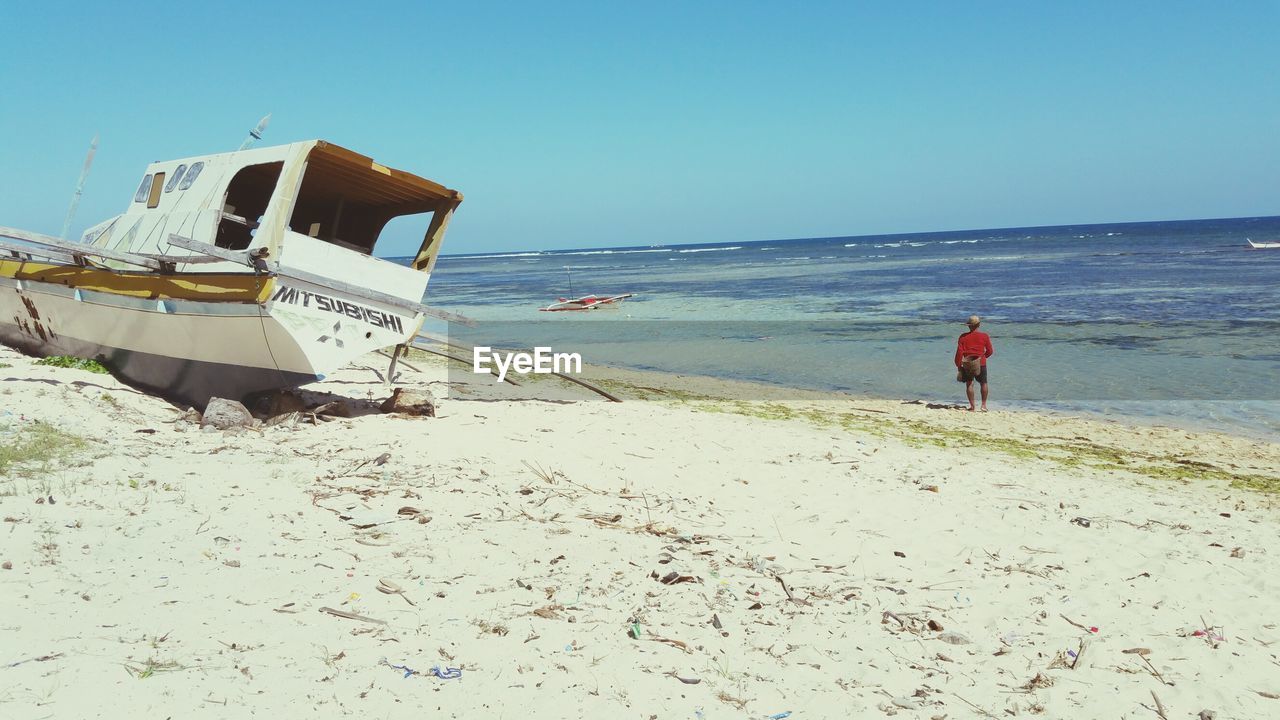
{"x":701,"y":550}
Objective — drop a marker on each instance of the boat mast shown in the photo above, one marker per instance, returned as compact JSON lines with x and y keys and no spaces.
{"x":256,"y":133}
{"x":75,"y":198}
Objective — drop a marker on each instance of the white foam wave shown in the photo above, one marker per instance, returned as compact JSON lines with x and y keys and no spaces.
{"x":698,"y":250}
{"x":496,"y":255}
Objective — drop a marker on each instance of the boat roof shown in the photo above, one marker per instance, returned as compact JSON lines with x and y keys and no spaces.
{"x":362,"y":178}
{"x":366,"y":180}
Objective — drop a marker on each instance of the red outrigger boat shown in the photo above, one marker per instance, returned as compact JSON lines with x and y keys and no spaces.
{"x":586,"y":302}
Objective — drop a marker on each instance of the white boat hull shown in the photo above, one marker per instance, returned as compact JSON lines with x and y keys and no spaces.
{"x":1263,"y":245}
{"x":191,"y":350}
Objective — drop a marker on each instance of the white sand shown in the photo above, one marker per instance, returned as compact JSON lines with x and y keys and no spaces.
{"x":180,"y":574}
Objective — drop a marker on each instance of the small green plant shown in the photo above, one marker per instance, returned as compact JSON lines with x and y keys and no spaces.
{"x":38,"y":444}
{"x":75,"y":363}
{"x":5,"y":365}
{"x":151,"y":667}
{"x":108,"y":399}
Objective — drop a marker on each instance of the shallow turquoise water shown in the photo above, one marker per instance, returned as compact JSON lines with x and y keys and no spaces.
{"x":1176,"y":322}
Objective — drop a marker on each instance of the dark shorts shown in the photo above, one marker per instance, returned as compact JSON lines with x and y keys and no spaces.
{"x":982,"y":376}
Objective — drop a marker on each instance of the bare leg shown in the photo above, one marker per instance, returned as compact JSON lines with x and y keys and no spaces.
{"x":984,"y":398}
{"x":968,"y":390}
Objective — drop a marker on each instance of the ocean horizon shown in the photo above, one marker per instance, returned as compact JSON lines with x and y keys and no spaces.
{"x":1172,"y":322}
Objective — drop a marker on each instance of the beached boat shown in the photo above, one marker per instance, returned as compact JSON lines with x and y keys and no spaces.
{"x":586,"y":302}
{"x":232,"y":273}
{"x":1262,"y":245}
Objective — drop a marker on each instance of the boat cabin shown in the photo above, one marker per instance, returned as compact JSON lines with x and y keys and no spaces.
{"x":314,"y":205}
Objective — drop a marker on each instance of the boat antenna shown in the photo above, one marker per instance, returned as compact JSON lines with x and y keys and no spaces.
{"x":256,"y":133}
{"x":566,"y":272}
{"x":75,"y":199}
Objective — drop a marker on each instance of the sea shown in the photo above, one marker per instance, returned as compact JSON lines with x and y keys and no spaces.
{"x":1171,"y":323}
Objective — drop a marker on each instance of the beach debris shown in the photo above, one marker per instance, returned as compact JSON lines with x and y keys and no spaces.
{"x":954,"y":638}
{"x":1083,"y":522}
{"x":1237,"y":552}
{"x":1159,"y":706}
{"x":780,"y":716}
{"x":673,"y":643}
{"x":549,"y":612}
{"x":1086,"y":628}
{"x":408,"y":401}
{"x":634,"y":630}
{"x":1039,"y":681}
{"x":686,"y":681}
{"x":7,"y":565}
{"x":930,"y":488}
{"x":1268,"y":695}
{"x":387,"y":587}
{"x":674,"y":578}
{"x":279,"y":404}
{"x":1207,"y":715}
{"x":786,"y":589}
{"x":447,"y":673}
{"x":1079,"y":653}
{"x":352,"y":616}
{"x":899,"y":553}
{"x":41,"y":658}
{"x":1137,"y":651}
{"x":224,"y":414}
{"x":1212,"y":634}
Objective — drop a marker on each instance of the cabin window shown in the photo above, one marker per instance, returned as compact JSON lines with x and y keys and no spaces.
{"x":247,"y":197}
{"x":351,"y":203}
{"x":191,"y":176}
{"x":177,"y":176}
{"x":143,"y":190}
{"x":157,"y":185}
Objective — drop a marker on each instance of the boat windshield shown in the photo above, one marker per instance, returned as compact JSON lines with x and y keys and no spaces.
{"x":347,"y":199}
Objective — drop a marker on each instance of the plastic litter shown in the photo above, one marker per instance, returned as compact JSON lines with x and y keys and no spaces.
{"x":780,"y":715}
{"x":448,"y":673}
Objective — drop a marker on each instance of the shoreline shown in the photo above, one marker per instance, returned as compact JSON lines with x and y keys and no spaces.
{"x":1043,"y":408}
{"x":688,"y":552}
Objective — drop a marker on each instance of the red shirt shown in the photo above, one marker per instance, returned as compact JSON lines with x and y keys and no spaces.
{"x":973,"y":343}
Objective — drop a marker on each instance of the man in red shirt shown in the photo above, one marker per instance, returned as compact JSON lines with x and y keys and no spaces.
{"x":972,"y":349}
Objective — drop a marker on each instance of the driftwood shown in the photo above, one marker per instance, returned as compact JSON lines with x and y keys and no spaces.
{"x":419,"y":346}
{"x":352,"y":616}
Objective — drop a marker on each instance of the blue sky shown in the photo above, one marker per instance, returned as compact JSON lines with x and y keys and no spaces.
{"x":598,"y":124}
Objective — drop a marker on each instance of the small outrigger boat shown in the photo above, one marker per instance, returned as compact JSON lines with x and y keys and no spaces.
{"x":586,"y":302}
{"x":231,"y":274}
{"x":1262,"y":245}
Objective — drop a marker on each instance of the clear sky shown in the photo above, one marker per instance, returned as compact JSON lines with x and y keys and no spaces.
{"x":572,"y":124}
